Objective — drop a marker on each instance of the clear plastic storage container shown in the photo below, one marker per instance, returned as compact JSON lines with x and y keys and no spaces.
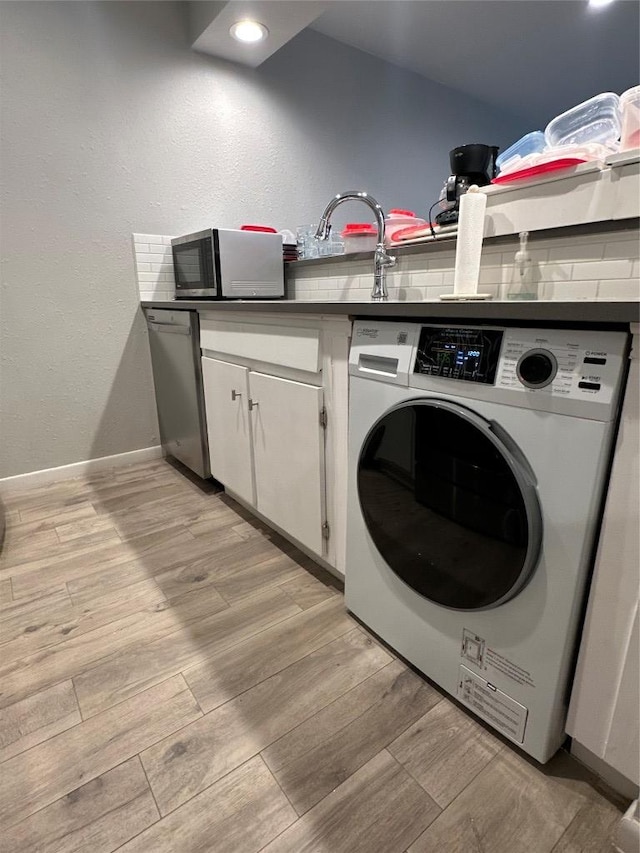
{"x":359,"y":237}
{"x":595,"y":120}
{"x":630,"y":108}
{"x":398,"y":219}
{"x":532,"y":143}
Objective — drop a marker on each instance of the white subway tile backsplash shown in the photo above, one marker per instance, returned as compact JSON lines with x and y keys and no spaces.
{"x":492,"y":289}
{"x":592,"y":251}
{"x":410,"y":294}
{"x":568,"y":240}
{"x":305,"y":284}
{"x":413,"y":263}
{"x":153,"y":258}
{"x":150,"y":295}
{"x":434,"y":293}
{"x":154,"y":266}
{"x":568,"y":291}
{"x":597,"y":266}
{"x":443,"y":262}
{"x":302,"y":273}
{"x":625,"y":289}
{"x":537,"y":255}
{"x":493,"y":275}
{"x":356,"y":296}
{"x":555,"y":271}
{"x":148,"y":238}
{"x":427,"y":278}
{"x":491,"y":250}
{"x":621,"y":268}
{"x":398,"y":278}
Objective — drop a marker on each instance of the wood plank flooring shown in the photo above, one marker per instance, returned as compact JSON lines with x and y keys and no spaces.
{"x":176,"y":678}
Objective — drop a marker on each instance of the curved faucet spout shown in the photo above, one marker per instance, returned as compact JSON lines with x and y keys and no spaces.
{"x":381,"y":260}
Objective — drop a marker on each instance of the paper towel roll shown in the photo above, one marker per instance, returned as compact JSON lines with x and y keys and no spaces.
{"x":469,"y":242}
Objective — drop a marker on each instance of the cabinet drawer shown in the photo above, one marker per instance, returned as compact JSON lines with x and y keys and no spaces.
{"x":288,"y":346}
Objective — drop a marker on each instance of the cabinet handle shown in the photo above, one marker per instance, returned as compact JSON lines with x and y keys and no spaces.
{"x":252,"y":404}
{"x":235,"y":395}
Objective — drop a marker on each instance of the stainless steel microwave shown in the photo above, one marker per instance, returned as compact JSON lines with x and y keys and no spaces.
{"x":226,"y":264}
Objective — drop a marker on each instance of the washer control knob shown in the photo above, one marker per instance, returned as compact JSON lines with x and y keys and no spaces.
{"x":537,"y":368}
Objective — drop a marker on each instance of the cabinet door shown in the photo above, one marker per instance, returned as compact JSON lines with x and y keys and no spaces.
{"x":288,"y":446}
{"x":226,"y":394}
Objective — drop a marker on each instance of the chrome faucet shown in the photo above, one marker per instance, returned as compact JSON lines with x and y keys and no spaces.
{"x":381,"y":260}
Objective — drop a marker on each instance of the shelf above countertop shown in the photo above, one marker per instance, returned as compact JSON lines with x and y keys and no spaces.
{"x":448,"y":241}
{"x":530,"y":312}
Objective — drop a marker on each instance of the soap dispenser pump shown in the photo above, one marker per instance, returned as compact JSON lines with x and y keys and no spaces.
{"x":522,"y":284}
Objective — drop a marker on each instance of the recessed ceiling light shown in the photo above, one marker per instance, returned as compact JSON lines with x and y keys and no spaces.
{"x":249,"y":32}
{"x":599,"y":4}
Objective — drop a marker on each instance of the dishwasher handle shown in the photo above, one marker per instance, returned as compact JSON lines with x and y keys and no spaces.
{"x":170,"y":328}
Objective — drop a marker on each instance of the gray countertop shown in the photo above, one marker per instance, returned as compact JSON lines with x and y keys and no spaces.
{"x":492,"y":310}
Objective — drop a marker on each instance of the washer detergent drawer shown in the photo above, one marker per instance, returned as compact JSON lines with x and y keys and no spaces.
{"x":383,"y":351}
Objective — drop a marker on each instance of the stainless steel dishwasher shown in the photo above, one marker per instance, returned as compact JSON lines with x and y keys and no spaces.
{"x":174,"y":339}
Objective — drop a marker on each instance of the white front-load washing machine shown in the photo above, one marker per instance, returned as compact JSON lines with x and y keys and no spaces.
{"x":478,"y":461}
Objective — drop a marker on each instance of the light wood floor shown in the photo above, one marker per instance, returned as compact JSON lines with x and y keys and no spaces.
{"x":175,"y":678}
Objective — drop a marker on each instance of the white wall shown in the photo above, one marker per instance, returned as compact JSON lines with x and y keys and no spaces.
{"x":110,"y":125}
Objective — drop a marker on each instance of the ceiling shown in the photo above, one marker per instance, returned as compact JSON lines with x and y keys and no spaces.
{"x":534,"y":58}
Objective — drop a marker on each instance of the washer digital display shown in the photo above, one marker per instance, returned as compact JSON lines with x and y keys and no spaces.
{"x":468,"y":354}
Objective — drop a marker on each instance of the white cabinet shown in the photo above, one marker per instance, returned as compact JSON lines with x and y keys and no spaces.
{"x":270,"y":389}
{"x":288,"y":450}
{"x":226,"y":391}
{"x":604,"y":713}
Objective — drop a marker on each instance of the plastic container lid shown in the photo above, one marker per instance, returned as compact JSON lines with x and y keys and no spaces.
{"x":397,"y":212}
{"x":540,"y":169}
{"x":354,"y":229}
{"x":630,"y":105}
{"x":559,"y":157}
{"x":288,"y":237}
{"x":595,"y":120}
{"x":632,"y":94}
{"x":531,"y":143}
{"x":263,"y":228}
{"x":397,"y":223}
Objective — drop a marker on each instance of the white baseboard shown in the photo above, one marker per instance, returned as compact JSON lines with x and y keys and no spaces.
{"x":612,"y":777}
{"x":627,"y":835}
{"x":19,"y":482}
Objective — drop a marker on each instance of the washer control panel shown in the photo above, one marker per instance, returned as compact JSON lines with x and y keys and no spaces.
{"x":578,"y":365}
{"x":456,"y":352}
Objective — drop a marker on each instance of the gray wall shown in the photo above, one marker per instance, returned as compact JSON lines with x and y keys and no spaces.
{"x":112,"y":125}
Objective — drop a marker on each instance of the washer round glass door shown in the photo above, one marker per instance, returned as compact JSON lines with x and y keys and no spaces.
{"x":451,"y":509}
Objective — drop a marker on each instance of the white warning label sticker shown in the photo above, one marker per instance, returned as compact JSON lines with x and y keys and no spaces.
{"x":494,"y":706}
{"x":475,"y":650}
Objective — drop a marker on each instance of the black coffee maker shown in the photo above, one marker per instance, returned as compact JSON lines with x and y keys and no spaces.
{"x":470,"y":164}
